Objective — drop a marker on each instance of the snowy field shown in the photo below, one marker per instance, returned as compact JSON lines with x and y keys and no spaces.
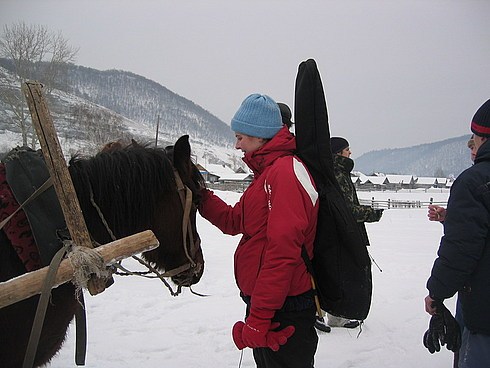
{"x":136,"y":323}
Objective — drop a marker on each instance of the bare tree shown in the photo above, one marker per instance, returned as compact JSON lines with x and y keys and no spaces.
{"x":36,"y":54}
{"x":98,"y":125}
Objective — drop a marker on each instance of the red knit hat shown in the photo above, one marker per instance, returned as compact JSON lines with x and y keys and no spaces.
{"x":480,"y":125}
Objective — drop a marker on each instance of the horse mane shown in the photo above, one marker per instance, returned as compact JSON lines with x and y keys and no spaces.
{"x":127,"y":184}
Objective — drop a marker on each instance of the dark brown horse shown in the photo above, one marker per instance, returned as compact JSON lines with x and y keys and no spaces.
{"x":136,"y":189}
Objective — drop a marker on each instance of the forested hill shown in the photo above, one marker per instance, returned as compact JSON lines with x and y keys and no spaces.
{"x":143,"y":100}
{"x":438,"y":159}
{"x":91,"y":107}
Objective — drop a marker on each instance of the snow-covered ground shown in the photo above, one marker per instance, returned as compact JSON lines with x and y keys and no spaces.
{"x":136,"y":323}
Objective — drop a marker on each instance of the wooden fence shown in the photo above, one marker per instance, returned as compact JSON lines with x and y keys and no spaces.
{"x":399,"y":204}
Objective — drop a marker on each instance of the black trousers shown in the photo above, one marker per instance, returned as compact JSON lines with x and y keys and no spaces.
{"x":299,"y":351}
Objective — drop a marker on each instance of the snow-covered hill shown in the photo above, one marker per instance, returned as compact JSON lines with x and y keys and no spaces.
{"x":119,"y":105}
{"x":438,"y":159}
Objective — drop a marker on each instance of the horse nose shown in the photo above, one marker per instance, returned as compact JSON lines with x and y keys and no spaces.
{"x":190,"y":277}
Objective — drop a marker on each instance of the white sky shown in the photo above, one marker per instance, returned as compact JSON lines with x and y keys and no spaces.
{"x":396,"y":73}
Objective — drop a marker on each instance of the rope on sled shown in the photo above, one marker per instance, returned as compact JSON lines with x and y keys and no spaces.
{"x":86,"y":263}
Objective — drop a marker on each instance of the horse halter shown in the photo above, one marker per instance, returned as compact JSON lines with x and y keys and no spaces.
{"x":186,"y":197}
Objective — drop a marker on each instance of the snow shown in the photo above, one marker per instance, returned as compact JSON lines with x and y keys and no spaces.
{"x":136,"y":323}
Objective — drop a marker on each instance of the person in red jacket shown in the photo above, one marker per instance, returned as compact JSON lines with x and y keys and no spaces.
{"x":277,"y":216}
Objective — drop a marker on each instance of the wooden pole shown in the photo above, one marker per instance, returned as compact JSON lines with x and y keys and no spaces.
{"x":156,"y":136}
{"x":58,"y":170}
{"x":56,"y":164}
{"x":29,"y":284}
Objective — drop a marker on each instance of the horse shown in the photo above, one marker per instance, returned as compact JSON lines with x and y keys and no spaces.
{"x":122,"y":190}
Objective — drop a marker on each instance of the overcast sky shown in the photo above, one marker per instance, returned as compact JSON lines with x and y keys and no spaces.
{"x":396,"y":73}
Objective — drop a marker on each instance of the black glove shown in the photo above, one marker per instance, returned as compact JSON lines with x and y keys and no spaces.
{"x":443,"y":330}
{"x":434,"y":334}
{"x":453,"y":330}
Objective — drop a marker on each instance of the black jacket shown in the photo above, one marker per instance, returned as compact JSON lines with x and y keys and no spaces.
{"x":463,"y":262}
{"x":342,"y":167}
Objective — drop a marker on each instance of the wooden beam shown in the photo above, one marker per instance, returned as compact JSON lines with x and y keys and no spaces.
{"x":55,"y":161}
{"x":29,"y":284}
{"x":58,"y":170}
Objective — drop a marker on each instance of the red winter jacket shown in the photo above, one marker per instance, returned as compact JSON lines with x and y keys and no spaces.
{"x":277,"y":214}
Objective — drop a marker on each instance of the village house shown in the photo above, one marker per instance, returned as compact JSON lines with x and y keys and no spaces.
{"x":224,"y":178}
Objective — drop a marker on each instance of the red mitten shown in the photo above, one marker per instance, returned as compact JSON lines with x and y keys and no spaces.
{"x":257,"y":333}
{"x":277,"y":338}
{"x":236,"y":333}
{"x":254,"y":334}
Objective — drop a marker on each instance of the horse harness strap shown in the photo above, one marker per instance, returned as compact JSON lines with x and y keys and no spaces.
{"x":186,"y":198}
{"x":185,"y":195}
{"x":41,"y":308}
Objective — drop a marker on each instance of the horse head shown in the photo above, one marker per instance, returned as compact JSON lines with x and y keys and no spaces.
{"x":189,"y":183}
{"x":126,"y":189}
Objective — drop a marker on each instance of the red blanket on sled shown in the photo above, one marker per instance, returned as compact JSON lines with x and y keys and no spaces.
{"x":18,"y":230}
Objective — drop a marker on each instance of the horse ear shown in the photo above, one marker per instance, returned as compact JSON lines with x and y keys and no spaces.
{"x":182,"y":153}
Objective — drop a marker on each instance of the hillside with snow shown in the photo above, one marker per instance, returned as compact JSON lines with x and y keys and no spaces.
{"x":91,"y":107}
{"x":439,"y":159}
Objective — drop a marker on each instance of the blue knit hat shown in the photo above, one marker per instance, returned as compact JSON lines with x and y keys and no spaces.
{"x":258,"y":116}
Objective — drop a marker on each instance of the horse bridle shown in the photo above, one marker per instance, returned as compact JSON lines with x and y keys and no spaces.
{"x":186,"y":198}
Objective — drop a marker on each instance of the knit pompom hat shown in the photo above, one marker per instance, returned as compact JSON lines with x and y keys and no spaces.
{"x":480,"y":125}
{"x":258,"y":116}
{"x":338,"y":144}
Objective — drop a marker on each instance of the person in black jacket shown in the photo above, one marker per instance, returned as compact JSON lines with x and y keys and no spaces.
{"x":463,"y":262}
{"x":438,"y":213}
{"x":343,"y":166}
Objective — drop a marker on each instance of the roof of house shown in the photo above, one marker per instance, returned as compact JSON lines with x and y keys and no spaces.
{"x":225,"y":173}
{"x":377,"y":180}
{"x":219,"y":170}
{"x":399,"y":179}
{"x":426,"y":180}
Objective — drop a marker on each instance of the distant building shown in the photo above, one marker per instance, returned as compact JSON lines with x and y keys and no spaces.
{"x":380,"y":181}
{"x":224,"y":178}
{"x":395,"y":182}
{"x":441,"y":182}
{"x":372,"y":182}
{"x":426,"y":182}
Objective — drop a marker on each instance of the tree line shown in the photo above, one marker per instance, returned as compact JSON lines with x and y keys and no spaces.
{"x":36,"y":53}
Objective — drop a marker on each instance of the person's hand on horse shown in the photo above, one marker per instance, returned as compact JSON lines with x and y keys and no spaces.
{"x":260,"y":333}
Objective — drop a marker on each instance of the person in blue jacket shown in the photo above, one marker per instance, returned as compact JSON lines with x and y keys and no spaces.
{"x":463,"y":262}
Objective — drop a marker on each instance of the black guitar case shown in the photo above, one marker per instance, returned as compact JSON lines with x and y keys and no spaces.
{"x":341,"y":264}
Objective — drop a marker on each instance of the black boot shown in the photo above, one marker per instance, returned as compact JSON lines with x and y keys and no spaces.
{"x":351,"y":324}
{"x":321,"y":325}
